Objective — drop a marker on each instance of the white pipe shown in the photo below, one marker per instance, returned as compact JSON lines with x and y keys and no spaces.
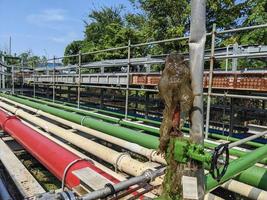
{"x":119,"y":176}
{"x":116,"y":175}
{"x":120,"y":161}
{"x":151,"y":154}
{"x":245,"y":190}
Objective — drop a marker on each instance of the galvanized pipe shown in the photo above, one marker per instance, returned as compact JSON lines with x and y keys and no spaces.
{"x":197,"y":41}
{"x":247,"y":139}
{"x":120,"y":161}
{"x":147,"y":176}
{"x":151,"y":154}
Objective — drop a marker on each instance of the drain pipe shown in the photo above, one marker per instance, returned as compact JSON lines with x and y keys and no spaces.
{"x":120,"y":161}
{"x":151,"y":154}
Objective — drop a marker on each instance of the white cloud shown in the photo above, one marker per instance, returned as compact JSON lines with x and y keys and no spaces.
{"x":48,"y":16}
{"x":70,"y":36}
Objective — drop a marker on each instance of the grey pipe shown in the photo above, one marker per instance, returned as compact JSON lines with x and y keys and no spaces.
{"x":239,"y":142}
{"x":196,"y":53}
{"x":147,"y":176}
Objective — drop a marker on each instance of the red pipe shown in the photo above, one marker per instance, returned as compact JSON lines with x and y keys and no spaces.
{"x":54,"y":157}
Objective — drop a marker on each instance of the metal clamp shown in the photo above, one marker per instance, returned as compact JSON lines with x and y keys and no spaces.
{"x":68,"y":167}
{"x":118,"y":159}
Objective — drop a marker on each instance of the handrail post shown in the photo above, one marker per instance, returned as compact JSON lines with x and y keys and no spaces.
{"x":128,"y":75}
{"x":54,"y":72}
{"x":79,"y":79}
{"x":210,"y":79}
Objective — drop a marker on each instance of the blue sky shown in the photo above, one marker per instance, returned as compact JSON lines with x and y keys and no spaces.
{"x":46,"y":26}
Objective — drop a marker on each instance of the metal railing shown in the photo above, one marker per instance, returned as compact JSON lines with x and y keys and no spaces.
{"x":130,"y":46}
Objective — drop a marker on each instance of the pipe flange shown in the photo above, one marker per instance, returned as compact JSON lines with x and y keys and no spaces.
{"x":118,"y":160}
{"x":69,"y":166}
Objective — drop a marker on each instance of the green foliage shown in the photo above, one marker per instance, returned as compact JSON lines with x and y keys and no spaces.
{"x":156,"y":20}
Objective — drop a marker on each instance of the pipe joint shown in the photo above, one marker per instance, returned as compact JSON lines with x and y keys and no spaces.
{"x":119,"y":158}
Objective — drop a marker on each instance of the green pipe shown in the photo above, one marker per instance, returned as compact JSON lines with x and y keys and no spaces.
{"x":150,"y":129}
{"x":128,"y":124}
{"x":249,"y":174}
{"x":252,"y":176}
{"x":142,"y":139}
{"x":233,"y":152}
{"x":120,"y":115}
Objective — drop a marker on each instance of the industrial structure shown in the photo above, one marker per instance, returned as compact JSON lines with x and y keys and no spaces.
{"x":90,"y":130}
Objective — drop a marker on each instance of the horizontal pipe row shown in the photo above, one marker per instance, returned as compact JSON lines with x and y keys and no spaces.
{"x":248,"y":176}
{"x":55,"y":158}
{"x":121,"y":161}
{"x":153,"y":144}
{"x":130,"y":124}
{"x":151,"y":154}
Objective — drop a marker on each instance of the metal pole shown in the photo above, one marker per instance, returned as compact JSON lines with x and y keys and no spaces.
{"x":34,"y":76}
{"x":22,"y":68}
{"x":79,"y":80}
{"x":238,"y":96}
{"x":226,"y":61}
{"x":210,"y":79}
{"x":127,"y":86}
{"x":12,"y":79}
{"x":54,"y":71}
{"x":196,"y":53}
{"x":239,"y":142}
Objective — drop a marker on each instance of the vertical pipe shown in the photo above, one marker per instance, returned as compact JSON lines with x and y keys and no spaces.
{"x":54,"y":72}
{"x":210,"y":79}
{"x":79,"y":80}
{"x":127,"y":86}
{"x":197,"y":41}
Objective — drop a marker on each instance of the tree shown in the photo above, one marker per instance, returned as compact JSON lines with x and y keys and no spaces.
{"x":72,"y":49}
